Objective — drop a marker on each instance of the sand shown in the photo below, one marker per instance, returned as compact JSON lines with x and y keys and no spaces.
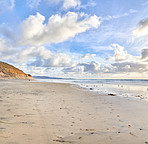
{"x":52,"y":113}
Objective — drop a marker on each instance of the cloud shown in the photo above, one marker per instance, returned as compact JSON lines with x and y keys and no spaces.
{"x":58,"y":60}
{"x":33,"y":3}
{"x":142,"y":28}
{"x":119,"y":53}
{"x":26,"y":55}
{"x":122,"y":63}
{"x":109,"y":17}
{"x":128,"y":63}
{"x":54,"y":60}
{"x":88,"y":55}
{"x":6,"y":5}
{"x":6,"y":32}
{"x":67,"y":4}
{"x":92,"y":67}
{"x":35,"y":32}
{"x":133,"y":11}
{"x":91,"y":3}
{"x":31,"y":27}
{"x":89,"y":67}
{"x":130,"y":67}
{"x":6,"y":50}
{"x":42,"y":57}
{"x":75,"y":70}
{"x":144,"y":53}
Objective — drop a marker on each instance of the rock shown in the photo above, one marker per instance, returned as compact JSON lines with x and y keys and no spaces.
{"x":112,"y":94}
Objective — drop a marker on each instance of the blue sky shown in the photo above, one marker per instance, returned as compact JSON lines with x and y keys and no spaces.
{"x":75,"y":38}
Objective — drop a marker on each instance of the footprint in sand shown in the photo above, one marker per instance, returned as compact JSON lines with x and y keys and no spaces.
{"x":59,"y":141}
{"x":120,"y":120}
{"x":1,"y":128}
{"x":90,"y":129}
{"x":17,"y":115}
{"x":132,"y":134}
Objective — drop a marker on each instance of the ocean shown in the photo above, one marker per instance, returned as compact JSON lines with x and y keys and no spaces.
{"x":135,"y":88}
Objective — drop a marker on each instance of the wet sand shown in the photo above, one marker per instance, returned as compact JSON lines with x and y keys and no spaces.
{"x":52,"y":113}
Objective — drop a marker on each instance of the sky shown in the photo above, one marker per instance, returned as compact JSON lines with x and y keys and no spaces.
{"x":76,"y":38}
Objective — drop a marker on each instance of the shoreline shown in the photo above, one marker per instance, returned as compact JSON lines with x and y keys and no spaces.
{"x":43,"y":113}
{"x":138,"y":89}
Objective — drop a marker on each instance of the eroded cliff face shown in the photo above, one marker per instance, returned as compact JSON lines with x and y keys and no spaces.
{"x":8,"y":71}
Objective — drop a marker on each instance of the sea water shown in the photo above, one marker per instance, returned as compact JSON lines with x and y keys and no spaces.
{"x":136,"y":88}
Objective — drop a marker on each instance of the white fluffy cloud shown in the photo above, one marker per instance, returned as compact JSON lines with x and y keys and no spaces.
{"x":88,"y":55}
{"x":57,"y":60}
{"x":38,"y":58}
{"x":142,"y":28}
{"x":26,"y":54}
{"x":119,"y":53}
{"x":6,"y":50}
{"x":128,"y":63}
{"x":41,"y":57}
{"x":66,"y":4}
{"x":71,"y":4}
{"x":32,"y":27}
{"x":35,"y":32}
{"x":121,"y":63}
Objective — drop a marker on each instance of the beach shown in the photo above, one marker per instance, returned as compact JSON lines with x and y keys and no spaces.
{"x":51,"y":113}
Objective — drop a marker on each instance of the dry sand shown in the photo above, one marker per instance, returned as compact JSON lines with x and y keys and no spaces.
{"x":49,"y":113}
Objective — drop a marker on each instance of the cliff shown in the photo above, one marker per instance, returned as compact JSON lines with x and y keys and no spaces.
{"x":8,"y":71}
